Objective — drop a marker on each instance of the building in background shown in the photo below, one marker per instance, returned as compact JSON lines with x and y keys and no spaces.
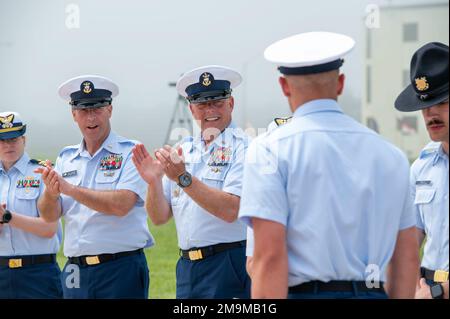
{"x":403,"y":30}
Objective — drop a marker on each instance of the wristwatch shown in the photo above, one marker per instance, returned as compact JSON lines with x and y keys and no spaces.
{"x":6,"y":218}
{"x":185,"y":180}
{"x":437,"y":291}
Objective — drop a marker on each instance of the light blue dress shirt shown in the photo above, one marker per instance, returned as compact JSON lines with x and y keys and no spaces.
{"x":220,"y":166}
{"x":429,"y":188}
{"x":20,"y":189}
{"x":340,"y":190}
{"x":88,"y":232}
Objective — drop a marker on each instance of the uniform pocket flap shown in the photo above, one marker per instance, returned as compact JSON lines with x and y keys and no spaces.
{"x":27,"y":193}
{"x":215,"y":174}
{"x":424,"y":196}
{"x":107,"y":177}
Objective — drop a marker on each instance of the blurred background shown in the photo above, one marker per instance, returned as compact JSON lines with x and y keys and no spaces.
{"x":145,"y":45}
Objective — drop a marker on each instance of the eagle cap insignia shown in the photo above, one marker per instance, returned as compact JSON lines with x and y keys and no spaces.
{"x":422,"y":84}
{"x":7,"y":121}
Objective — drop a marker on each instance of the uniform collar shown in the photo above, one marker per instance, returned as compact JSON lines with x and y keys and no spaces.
{"x":436,"y":151}
{"x":225,"y":139}
{"x":440,"y":154}
{"x":21,"y":165}
{"x":316,"y":106}
{"x":111,"y":144}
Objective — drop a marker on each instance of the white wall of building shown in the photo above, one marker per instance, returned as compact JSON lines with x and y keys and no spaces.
{"x":389,"y":49}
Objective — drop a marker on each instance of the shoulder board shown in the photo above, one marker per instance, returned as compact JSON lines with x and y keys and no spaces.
{"x":40,"y":162}
{"x":282,"y":120}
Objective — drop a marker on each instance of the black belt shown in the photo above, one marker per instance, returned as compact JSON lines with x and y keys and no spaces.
{"x":100,"y":259}
{"x":23,"y":261}
{"x":196,"y":254}
{"x":334,"y":286}
{"x":438,"y":276}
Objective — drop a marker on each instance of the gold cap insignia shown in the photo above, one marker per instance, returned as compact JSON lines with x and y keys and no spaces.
{"x":422,"y":84}
{"x":206,"y":79}
{"x":6,"y":121}
{"x":87,"y":87}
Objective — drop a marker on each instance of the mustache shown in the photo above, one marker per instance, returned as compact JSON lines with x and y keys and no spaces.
{"x":435,"y":122}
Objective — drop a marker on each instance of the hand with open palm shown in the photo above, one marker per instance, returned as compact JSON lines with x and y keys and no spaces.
{"x":150,"y":169}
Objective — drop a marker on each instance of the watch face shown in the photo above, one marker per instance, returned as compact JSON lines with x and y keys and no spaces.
{"x":437,"y":291}
{"x":185,"y":180}
{"x":7,"y":217}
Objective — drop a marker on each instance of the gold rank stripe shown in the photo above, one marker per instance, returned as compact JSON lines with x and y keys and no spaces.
{"x":12,"y":129}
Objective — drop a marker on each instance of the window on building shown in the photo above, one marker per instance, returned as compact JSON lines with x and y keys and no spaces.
{"x":369,"y":44}
{"x":373,"y":124}
{"x":407,"y":125}
{"x":369,"y":84}
{"x":410,"y":32}
{"x":406,"y":79}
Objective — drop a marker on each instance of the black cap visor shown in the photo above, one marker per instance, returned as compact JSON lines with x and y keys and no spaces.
{"x":209,"y":96}
{"x":410,"y":101}
{"x":13,"y":134}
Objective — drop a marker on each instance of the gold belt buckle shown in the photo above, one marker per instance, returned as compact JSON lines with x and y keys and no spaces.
{"x":440,"y":276}
{"x":15,"y":263}
{"x":93,"y":260}
{"x":195,"y":255}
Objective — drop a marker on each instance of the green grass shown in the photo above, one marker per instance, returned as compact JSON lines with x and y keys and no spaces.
{"x":161,"y":258}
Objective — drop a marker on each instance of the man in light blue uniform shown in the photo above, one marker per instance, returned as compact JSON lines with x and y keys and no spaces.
{"x":97,"y":189}
{"x":28,"y":244}
{"x":327,"y":198}
{"x":202,"y":188}
{"x":428,"y":92}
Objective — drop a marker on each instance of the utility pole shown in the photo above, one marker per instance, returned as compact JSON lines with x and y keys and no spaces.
{"x":181,"y":118}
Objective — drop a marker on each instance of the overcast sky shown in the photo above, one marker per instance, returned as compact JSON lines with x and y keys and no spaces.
{"x":144,"y":45}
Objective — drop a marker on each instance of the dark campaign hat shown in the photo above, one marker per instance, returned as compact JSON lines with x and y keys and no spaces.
{"x":429,"y":79}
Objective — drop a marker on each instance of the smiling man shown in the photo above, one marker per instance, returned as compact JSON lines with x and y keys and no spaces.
{"x":428,"y":93}
{"x":97,"y":189}
{"x":202,"y":188}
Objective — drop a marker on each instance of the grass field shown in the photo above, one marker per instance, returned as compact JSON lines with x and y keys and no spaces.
{"x":161,"y":259}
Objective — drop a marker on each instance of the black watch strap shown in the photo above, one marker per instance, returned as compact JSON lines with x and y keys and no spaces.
{"x":6,"y":218}
{"x":437,"y":291}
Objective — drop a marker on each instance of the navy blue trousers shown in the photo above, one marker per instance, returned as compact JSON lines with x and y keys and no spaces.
{"x":222,"y":276}
{"x":124,"y":278}
{"x":31,"y":282}
{"x":355,"y":294}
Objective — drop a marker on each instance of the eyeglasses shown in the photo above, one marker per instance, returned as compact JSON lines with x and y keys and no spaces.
{"x":96,"y":111}
{"x":215,"y":104}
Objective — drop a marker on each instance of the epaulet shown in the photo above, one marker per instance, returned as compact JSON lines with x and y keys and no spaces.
{"x":123,"y":140}
{"x":71,"y":147}
{"x":187,"y":139}
{"x":240,"y":133}
{"x":40,"y":162}
{"x":282,"y":120}
{"x":430,"y":149}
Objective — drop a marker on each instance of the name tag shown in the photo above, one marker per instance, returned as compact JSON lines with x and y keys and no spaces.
{"x":423,"y":183}
{"x":69,"y":174}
